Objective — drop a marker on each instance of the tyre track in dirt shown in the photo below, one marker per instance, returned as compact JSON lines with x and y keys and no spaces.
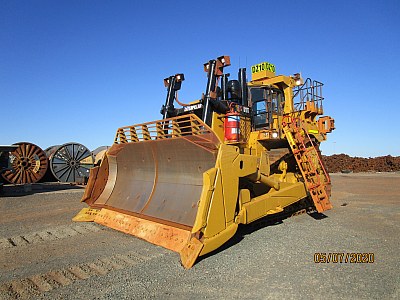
{"x":38,"y":284}
{"x":42,"y":250}
{"x":51,"y":234}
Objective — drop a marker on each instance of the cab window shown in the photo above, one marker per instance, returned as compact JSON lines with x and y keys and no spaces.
{"x":266,"y":105}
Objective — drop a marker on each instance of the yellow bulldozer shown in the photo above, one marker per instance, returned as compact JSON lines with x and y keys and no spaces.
{"x":244,"y":151}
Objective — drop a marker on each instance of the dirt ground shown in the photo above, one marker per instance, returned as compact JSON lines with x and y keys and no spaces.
{"x":43,"y":255}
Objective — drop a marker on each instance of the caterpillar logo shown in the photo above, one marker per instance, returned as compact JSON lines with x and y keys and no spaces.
{"x":192,"y":107}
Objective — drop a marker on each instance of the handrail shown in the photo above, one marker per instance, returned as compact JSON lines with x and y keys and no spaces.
{"x":309,"y":92}
{"x":162,"y":129}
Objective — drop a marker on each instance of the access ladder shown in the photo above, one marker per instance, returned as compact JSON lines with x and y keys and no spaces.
{"x":308,"y":159}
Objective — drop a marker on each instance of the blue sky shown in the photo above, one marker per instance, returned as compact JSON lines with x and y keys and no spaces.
{"x":78,"y":70}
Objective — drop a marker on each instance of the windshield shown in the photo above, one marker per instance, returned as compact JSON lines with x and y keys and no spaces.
{"x":266,"y":104}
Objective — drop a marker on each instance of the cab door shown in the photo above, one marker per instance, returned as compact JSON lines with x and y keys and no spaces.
{"x":266,"y":107}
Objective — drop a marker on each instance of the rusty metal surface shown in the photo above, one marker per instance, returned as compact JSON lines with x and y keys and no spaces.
{"x":163,"y":235}
{"x":308,"y":158}
{"x":29,"y":164}
{"x":159,"y":179}
{"x":191,"y":252}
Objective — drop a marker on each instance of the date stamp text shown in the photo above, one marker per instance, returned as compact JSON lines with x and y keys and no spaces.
{"x":344,"y":258}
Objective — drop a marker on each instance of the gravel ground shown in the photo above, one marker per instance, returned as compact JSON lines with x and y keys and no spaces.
{"x":43,"y":255}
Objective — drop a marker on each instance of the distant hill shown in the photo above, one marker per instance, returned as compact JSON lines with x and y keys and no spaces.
{"x":344,"y":163}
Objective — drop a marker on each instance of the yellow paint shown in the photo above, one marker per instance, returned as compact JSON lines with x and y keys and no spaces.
{"x":86,"y":215}
{"x":262,"y":70}
{"x":242,"y":186}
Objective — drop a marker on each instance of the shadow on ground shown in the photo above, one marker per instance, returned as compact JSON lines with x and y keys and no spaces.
{"x":20,"y":190}
{"x":262,"y":223}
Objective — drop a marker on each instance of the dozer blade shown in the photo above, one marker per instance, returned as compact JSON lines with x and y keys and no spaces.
{"x":86,"y":215}
{"x":151,"y":188}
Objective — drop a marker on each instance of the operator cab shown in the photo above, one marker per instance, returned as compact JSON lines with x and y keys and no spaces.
{"x":267,"y":103}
